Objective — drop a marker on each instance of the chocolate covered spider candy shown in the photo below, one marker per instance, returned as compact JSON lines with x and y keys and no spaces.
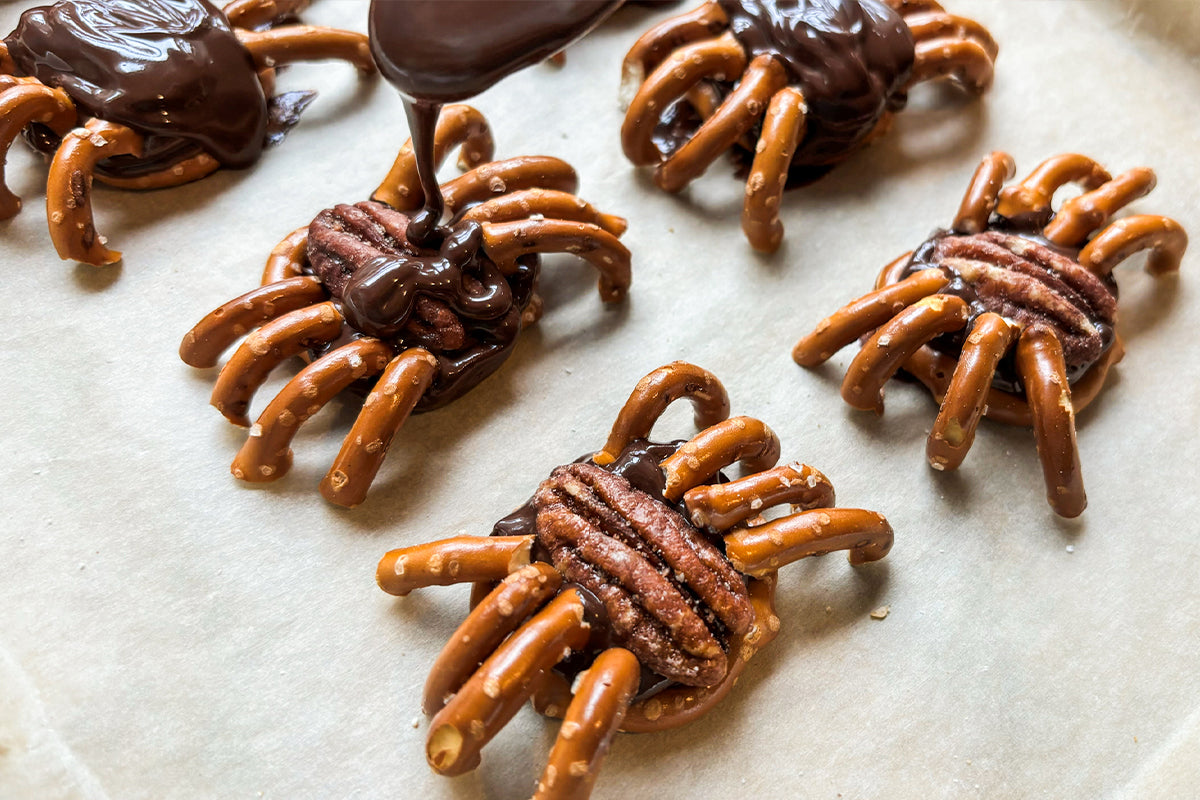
{"x":1010,"y":313}
{"x":632,"y":590}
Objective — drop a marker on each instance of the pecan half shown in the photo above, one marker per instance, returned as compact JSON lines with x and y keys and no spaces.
{"x":671,"y":597}
{"x":1028,"y":282}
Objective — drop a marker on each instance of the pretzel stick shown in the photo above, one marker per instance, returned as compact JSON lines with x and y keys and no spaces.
{"x":69,"y":189}
{"x":459,"y":559}
{"x":391,"y":400}
{"x":1040,"y":365}
{"x":459,"y":126}
{"x":254,"y":13}
{"x":746,"y":103}
{"x":505,"y":242}
{"x":765,"y":548}
{"x":20,"y":105}
{"x":866,"y":313}
{"x":508,"y":175}
{"x":287,"y":258}
{"x":203,"y":344}
{"x":267,"y":454}
{"x":720,"y":506}
{"x":1034,"y":194}
{"x":500,"y":613}
{"x":980,"y":199}
{"x":266,"y":348}
{"x":548,"y":203}
{"x":7,"y":65}
{"x":719,"y":59}
{"x":964,"y":61}
{"x":655,"y":44}
{"x":680,"y":705}
{"x":742,"y":439}
{"x":908,"y":8}
{"x":783,"y":128}
{"x":592,"y":719}
{"x":934,"y":369}
{"x":938,"y":24}
{"x":189,"y":169}
{"x":888,"y":347}
{"x":291,"y":43}
{"x":966,"y":397}
{"x":490,"y":698}
{"x":1163,"y":237}
{"x":1081,"y":215}
{"x":650,"y":398}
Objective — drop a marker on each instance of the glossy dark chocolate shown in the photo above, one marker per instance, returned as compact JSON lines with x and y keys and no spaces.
{"x":438,"y":52}
{"x":451,"y":300}
{"x":1045,"y":277}
{"x":850,"y":58}
{"x":172,"y":70}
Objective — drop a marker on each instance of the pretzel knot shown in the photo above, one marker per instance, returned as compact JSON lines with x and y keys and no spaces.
{"x":796,"y":86}
{"x":631,"y":591}
{"x":1010,"y":313}
{"x":415,"y":327}
{"x":145,"y":95}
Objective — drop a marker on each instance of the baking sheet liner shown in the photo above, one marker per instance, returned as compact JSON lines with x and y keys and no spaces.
{"x":169,"y":633}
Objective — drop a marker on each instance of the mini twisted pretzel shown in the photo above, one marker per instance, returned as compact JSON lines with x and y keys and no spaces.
{"x":111,"y":150}
{"x":736,"y":74}
{"x":531,"y":631}
{"x":455,"y":330}
{"x":1012,"y":275}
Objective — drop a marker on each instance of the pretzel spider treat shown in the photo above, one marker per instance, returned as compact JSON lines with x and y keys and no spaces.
{"x":146,"y":94}
{"x":1010,"y":313}
{"x":798,"y":85}
{"x":631,"y":591}
{"x":355,"y":293}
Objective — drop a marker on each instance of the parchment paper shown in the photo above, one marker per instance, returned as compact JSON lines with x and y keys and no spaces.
{"x":169,"y":633}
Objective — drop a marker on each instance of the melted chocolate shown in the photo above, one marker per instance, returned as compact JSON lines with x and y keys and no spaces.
{"x":172,"y":70}
{"x":451,"y":300}
{"x":850,"y":58}
{"x":438,"y":52}
{"x":1047,"y":267}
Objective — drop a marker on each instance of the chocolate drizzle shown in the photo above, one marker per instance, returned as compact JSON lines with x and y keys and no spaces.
{"x":437,"y":52}
{"x":172,"y":70}
{"x":1012,"y":271}
{"x":451,"y":300}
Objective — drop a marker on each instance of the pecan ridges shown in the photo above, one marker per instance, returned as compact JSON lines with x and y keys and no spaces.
{"x":344,"y":238}
{"x":671,"y":597}
{"x":1029,"y":283}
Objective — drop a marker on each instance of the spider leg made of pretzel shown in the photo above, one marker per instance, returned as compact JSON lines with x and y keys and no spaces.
{"x":266,"y":455}
{"x":7,"y":65}
{"x":966,"y":397}
{"x":722,"y":58}
{"x":22,"y":103}
{"x":497,"y":178}
{"x":1081,"y":215}
{"x":1040,"y":365}
{"x":742,"y":439}
{"x":458,"y":126}
{"x":783,"y":129}
{"x":547,"y":203}
{"x":720,"y":506}
{"x":948,"y":46}
{"x":979,"y":201}
{"x":650,"y":398}
{"x":505,"y":242}
{"x":219,"y":329}
{"x":502,"y":684}
{"x":1163,"y":237}
{"x":885,"y":351}
{"x":288,"y":44}
{"x":287,"y":259}
{"x":1034,"y":194}
{"x":705,"y":22}
{"x":253,"y":13}
{"x":69,"y":188}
